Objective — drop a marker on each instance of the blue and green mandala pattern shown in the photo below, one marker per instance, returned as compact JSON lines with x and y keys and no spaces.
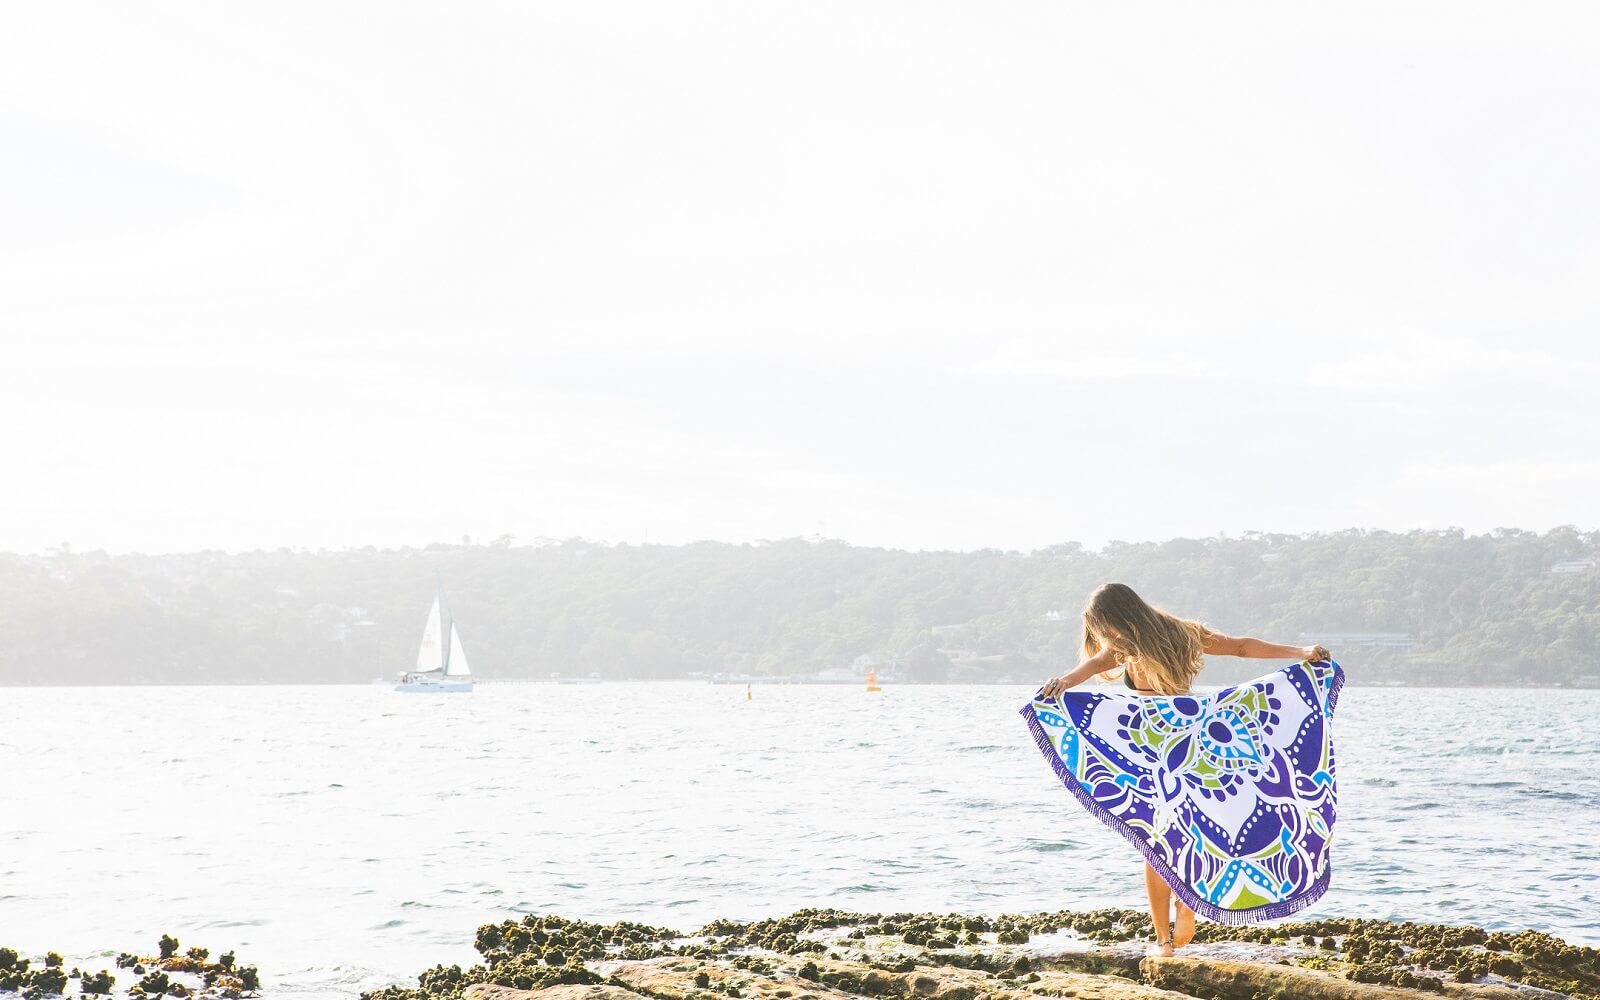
{"x":1230,"y":796}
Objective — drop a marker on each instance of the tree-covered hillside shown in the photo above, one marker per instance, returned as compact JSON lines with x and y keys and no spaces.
{"x":1508,"y":607}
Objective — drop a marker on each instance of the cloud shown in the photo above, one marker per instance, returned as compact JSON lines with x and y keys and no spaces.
{"x":928,"y":276}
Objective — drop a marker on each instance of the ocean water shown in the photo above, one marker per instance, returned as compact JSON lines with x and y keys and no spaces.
{"x":344,"y":838}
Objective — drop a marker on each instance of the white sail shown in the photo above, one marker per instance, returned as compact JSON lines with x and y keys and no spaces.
{"x":456,"y":666}
{"x":430,"y":655}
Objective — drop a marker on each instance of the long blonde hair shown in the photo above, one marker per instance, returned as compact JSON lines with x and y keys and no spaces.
{"x":1168,"y":651}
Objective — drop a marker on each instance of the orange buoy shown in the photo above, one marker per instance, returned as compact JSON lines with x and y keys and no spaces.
{"x":872,"y":681}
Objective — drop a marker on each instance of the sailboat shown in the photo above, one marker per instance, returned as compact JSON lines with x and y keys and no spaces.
{"x":441,"y":662}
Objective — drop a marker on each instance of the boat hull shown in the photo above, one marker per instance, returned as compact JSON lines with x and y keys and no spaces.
{"x":433,"y":687}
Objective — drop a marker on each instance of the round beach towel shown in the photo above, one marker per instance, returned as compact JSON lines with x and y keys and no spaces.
{"x":1230,"y":796}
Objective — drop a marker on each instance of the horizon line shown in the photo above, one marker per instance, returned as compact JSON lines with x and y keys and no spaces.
{"x":508,"y":541}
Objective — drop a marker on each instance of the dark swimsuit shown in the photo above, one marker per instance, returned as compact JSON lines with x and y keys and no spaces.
{"x":1127,"y":679}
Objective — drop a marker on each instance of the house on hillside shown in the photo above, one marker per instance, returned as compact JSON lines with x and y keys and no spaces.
{"x":1394,"y":641}
{"x":1573,"y":566}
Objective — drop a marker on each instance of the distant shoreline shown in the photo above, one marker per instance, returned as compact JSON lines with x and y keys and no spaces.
{"x":1423,"y":608}
{"x":771,"y":682}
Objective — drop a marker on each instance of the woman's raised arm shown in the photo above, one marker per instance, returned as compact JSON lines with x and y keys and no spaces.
{"x":1099,"y":663}
{"x":1257,"y":649}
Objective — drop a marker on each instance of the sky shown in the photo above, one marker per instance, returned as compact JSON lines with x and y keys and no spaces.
{"x":924,"y":275}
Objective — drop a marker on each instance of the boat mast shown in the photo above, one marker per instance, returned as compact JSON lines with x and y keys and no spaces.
{"x":445,"y":624}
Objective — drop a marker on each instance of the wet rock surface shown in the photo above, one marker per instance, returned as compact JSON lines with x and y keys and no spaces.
{"x":1094,"y":955}
{"x":186,"y":975}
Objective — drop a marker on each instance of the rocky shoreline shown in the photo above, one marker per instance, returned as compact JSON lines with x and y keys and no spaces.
{"x":1097,"y":955}
{"x":836,"y":955}
{"x":183,"y":975}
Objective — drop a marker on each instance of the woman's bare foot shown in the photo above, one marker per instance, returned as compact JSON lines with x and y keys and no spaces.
{"x":1162,"y":948}
{"x":1185,"y":932}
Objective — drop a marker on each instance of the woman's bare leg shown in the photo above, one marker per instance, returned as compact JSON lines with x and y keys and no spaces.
{"x":1185,"y":930}
{"x":1160,"y":909}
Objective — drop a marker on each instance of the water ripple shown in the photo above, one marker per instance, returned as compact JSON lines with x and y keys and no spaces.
{"x":345,"y":835}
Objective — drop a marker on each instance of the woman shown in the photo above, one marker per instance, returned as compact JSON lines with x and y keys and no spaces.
{"x":1155,"y":653}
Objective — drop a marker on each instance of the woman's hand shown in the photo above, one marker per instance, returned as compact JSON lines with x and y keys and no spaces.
{"x":1317,"y":652}
{"x":1056,"y":685}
